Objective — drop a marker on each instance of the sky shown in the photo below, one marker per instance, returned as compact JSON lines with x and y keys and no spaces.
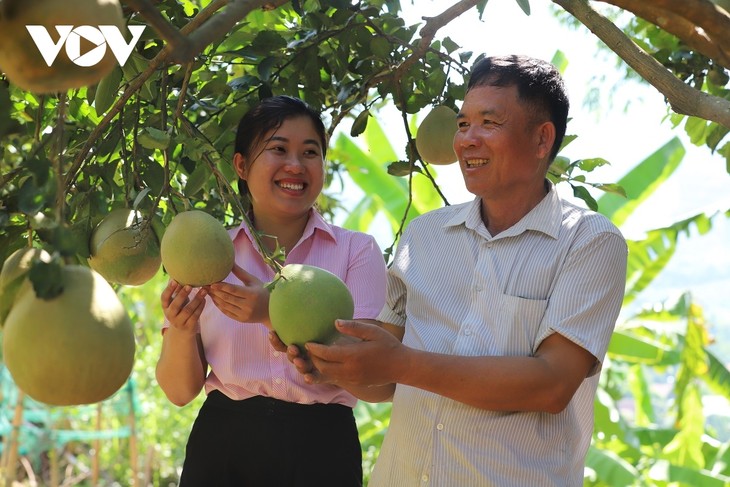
{"x":629,"y":126}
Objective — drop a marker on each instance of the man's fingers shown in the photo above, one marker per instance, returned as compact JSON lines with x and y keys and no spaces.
{"x":359,"y":329}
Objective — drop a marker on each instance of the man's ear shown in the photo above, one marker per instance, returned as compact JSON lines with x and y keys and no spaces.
{"x":239,"y":163}
{"x":545,"y":138}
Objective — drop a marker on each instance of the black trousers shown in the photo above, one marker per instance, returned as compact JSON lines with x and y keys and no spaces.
{"x":265,"y":442}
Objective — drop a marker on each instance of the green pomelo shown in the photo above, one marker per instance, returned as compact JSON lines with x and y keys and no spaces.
{"x":14,"y":270}
{"x":196,"y":249}
{"x":305,"y":302}
{"x":124,"y":248}
{"x":77,"y":348}
{"x":435,"y":136}
{"x":23,"y":63}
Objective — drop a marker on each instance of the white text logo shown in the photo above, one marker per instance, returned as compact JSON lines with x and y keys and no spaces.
{"x":71,"y":36}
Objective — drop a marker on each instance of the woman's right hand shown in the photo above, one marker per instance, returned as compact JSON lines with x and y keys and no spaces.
{"x":180,"y":310}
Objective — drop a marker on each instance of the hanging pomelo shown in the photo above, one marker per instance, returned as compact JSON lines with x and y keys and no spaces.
{"x":22,"y":61}
{"x":14,"y":270}
{"x":76,"y":348}
{"x":305,"y":301}
{"x":124,"y":248}
{"x":196,"y":249}
{"x":435,"y":136}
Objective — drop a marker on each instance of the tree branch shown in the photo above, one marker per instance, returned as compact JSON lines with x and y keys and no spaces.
{"x":167,"y":31}
{"x":682,"y":98}
{"x":135,"y":85}
{"x":220,"y":26}
{"x":708,"y":35}
{"x":428,"y":32}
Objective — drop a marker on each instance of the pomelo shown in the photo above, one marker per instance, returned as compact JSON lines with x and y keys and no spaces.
{"x":76,"y":348}
{"x":304,"y":303}
{"x":196,"y":249}
{"x":14,"y":270}
{"x":435,"y":136}
{"x":23,"y":63}
{"x":124,"y":248}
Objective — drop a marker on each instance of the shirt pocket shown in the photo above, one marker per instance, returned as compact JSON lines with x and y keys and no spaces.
{"x":521,"y":319}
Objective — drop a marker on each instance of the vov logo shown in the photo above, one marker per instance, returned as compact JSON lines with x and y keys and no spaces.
{"x":70,"y":36}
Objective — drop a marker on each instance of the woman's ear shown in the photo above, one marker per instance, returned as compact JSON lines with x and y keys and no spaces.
{"x":239,"y":163}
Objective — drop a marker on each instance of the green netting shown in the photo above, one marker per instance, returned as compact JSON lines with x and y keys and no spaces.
{"x":44,"y":427}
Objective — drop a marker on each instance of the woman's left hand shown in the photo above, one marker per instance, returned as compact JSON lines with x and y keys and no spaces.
{"x":247,"y":302}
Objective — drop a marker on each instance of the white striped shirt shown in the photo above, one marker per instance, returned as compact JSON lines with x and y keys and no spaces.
{"x":460,"y":291}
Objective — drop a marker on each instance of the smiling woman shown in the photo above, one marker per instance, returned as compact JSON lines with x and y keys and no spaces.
{"x":261,"y":423}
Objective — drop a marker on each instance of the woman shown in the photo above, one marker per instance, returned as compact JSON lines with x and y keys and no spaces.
{"x":261,"y":424}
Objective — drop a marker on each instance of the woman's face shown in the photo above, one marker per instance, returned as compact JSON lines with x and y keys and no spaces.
{"x":286,"y":174}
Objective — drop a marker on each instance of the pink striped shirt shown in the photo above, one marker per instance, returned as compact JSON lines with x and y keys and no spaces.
{"x":241,"y":359}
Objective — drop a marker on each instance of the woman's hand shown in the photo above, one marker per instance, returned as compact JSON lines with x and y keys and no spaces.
{"x":181,"y":311}
{"x":247,"y":302}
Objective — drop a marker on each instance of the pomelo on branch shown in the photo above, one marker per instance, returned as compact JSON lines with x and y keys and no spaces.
{"x":14,"y":270}
{"x":196,"y":249}
{"x":435,"y":136}
{"x":304,"y":303}
{"x":124,"y":248}
{"x":23,"y":63}
{"x":76,"y":348}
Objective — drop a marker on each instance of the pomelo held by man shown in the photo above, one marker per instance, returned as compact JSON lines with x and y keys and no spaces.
{"x":304,"y":303}
{"x":76,"y":348}
{"x":196,"y":249}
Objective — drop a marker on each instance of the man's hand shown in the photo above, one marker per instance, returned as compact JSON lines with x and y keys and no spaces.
{"x":372,"y":359}
{"x":247,"y":303}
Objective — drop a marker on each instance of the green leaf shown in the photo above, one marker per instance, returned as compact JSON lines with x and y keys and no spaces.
{"x":380,"y":47}
{"x":31,"y":198}
{"x":402,"y":168}
{"x":46,"y":278}
{"x":582,"y":193}
{"x":718,"y":375}
{"x":5,"y":105}
{"x":632,"y":348}
{"x":524,"y":5}
{"x":611,"y":468}
{"x":197,"y":179}
{"x":646,"y":259}
{"x":360,"y":123}
{"x":642,"y":181}
{"x":152,"y":138}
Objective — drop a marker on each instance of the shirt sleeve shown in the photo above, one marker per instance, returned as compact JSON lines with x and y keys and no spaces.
{"x":394,"y":310}
{"x":366,"y":277}
{"x":588,"y":294}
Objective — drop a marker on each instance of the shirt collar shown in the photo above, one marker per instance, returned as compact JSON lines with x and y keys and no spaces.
{"x":315,"y":222}
{"x":546,"y":217}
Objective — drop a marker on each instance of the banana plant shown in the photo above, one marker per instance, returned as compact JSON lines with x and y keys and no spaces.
{"x":662,"y":437}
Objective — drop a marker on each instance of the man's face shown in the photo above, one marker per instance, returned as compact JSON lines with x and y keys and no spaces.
{"x":501,"y":150}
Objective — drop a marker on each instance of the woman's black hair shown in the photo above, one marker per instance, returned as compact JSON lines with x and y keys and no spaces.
{"x":269,"y":114}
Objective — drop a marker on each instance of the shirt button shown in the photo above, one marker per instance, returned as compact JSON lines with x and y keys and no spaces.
{"x":467,"y":332}
{"x":424,"y":478}
{"x":440,"y":426}
{"x":478,"y":288}
{"x":277,"y":380}
{"x":276,"y":354}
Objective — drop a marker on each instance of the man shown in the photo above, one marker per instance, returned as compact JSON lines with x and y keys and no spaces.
{"x":504,"y":307}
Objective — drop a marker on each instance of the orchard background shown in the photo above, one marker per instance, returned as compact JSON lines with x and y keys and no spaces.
{"x":163,"y":142}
